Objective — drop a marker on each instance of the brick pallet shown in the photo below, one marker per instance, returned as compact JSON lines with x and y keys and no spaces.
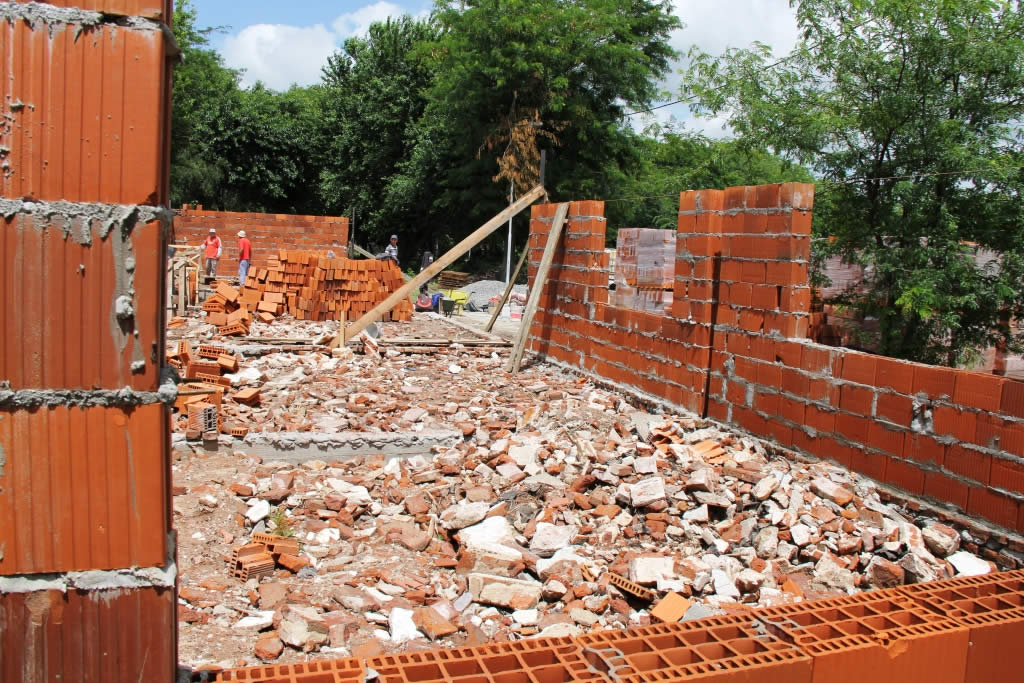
{"x":313,"y":286}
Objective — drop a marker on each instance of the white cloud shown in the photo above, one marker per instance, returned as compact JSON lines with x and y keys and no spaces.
{"x":280,"y":55}
{"x":713,"y":26}
{"x":358,"y":22}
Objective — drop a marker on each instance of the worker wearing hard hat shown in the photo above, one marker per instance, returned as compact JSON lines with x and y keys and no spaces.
{"x":244,"y":254}
{"x":212,"y":249}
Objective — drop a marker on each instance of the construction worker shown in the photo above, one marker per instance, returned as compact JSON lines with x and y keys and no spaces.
{"x":212,"y":248}
{"x":391,"y":251}
{"x":244,"y":254}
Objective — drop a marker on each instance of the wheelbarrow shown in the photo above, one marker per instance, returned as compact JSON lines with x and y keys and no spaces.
{"x":447,"y":307}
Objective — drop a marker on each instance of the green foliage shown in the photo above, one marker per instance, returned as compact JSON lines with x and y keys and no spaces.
{"x":283,"y":524}
{"x":374,"y":99}
{"x":909,"y":110}
{"x":235,"y":149}
{"x":669,"y":160}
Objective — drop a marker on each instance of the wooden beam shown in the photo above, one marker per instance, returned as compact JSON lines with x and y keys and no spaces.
{"x":182,"y":289}
{"x":443,"y":262}
{"x":508,"y":288}
{"x":538,"y":286}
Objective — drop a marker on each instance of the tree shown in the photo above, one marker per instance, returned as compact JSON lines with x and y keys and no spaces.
{"x":374,"y":98}
{"x":201,"y":97}
{"x":235,"y":149}
{"x":514,"y":77}
{"x":909,"y":111}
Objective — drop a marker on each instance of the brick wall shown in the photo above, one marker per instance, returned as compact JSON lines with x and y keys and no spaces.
{"x":268,"y":233}
{"x":734,"y":348}
{"x":86,"y":550}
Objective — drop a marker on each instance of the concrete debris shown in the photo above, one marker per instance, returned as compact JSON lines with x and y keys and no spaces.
{"x":942,"y":540}
{"x":968,"y":564}
{"x":512,"y":529}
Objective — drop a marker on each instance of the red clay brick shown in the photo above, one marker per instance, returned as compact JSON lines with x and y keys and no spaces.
{"x":906,"y":475}
{"x":788,"y":353}
{"x":894,"y":408}
{"x":869,"y":464}
{"x":823,"y":421}
{"x":923,"y":448}
{"x":1013,"y":398}
{"x":948,"y":421}
{"x":1012,"y":440}
{"x":118,"y":130}
{"x":151,"y":9}
{"x":978,"y":390}
{"x":107,"y":467}
{"x":797,"y":196}
{"x":859,"y":368}
{"x":795,"y":382}
{"x":852,"y":427}
{"x":894,"y":374}
{"x":60,"y":336}
{"x":885,"y":438}
{"x":791,"y":410}
{"x":856,"y":399}
{"x":767,"y":196}
{"x":944,"y":488}
{"x":993,"y":506}
{"x":1008,"y":474}
{"x":934,"y":381}
{"x":765,"y":297}
{"x":969,"y":463}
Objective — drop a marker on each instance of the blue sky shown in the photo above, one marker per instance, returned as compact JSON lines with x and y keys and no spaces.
{"x":281,"y":43}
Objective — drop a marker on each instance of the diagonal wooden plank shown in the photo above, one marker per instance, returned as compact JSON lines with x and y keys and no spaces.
{"x":440,"y":264}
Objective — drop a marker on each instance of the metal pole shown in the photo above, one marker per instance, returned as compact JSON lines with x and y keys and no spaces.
{"x":508,"y":251}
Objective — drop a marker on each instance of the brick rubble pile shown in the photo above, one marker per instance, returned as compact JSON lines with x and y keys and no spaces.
{"x":563,"y":509}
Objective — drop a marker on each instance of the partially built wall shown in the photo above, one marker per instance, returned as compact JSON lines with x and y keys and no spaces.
{"x":268,"y":232}
{"x":87,"y":572}
{"x":734,"y":348}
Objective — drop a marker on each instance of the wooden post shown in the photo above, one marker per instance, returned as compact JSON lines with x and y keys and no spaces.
{"x":508,"y":289}
{"x":182,"y":294}
{"x":538,"y":286}
{"x":440,"y":264}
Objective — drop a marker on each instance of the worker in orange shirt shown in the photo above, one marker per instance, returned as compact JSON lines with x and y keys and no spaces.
{"x":212,"y":247}
{"x":244,"y":254}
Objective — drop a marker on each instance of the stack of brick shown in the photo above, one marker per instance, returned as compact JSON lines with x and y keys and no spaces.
{"x":313,"y":286}
{"x":225,"y":309}
{"x":645,"y":262}
{"x":87,"y":571}
{"x":264,"y":554}
{"x":202,"y":395}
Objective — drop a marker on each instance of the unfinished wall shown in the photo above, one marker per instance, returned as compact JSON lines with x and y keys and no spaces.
{"x":86,"y":553}
{"x":735,"y":349}
{"x":268,"y":233}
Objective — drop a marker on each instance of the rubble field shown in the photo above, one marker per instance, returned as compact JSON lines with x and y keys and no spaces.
{"x":559,"y":508}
